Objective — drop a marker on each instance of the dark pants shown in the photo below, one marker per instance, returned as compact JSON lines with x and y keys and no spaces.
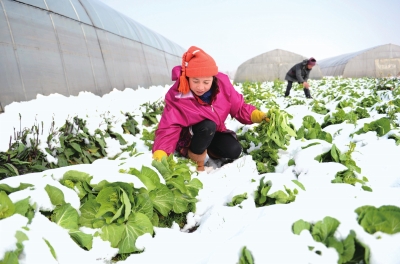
{"x":289,"y":86}
{"x":220,"y":144}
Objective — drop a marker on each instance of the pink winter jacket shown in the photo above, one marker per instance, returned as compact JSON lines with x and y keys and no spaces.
{"x":184,"y":111}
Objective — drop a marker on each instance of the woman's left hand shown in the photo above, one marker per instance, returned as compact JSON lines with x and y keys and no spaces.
{"x":258,"y":116}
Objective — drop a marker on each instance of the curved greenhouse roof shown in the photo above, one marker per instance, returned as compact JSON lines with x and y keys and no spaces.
{"x":380,"y":61}
{"x":270,"y":66}
{"x":68,"y":46}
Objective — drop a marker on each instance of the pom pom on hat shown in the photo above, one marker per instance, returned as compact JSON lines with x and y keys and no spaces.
{"x":311,"y":61}
{"x":196,"y":63}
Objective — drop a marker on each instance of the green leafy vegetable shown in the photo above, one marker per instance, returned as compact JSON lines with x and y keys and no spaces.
{"x":237,"y":199}
{"x":246,"y":257}
{"x":55,"y":194}
{"x":7,"y":207}
{"x":350,"y":250}
{"x":385,"y":219}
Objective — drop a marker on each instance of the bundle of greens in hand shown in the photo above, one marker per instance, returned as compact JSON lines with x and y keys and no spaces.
{"x":268,"y":138}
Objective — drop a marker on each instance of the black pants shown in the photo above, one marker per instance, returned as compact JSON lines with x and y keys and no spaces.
{"x":289,"y":86}
{"x":221,"y":144}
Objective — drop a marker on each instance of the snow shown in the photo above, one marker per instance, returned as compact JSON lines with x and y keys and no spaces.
{"x":222,"y":231}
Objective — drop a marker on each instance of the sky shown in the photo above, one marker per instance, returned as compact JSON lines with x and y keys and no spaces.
{"x":222,"y":231}
{"x":235,"y":31}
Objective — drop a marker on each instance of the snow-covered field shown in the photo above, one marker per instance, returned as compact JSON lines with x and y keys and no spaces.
{"x":221,"y":231}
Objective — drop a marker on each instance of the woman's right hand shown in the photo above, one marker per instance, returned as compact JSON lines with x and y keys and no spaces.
{"x":159,"y":154}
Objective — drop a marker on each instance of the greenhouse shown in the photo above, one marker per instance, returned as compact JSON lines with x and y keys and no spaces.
{"x":376,"y":62}
{"x":270,"y":66}
{"x":69,"y":46}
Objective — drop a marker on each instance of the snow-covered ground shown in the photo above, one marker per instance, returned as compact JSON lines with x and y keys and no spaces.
{"x":222,"y":231}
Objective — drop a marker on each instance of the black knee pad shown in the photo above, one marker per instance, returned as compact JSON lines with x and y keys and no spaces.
{"x":235,"y":150}
{"x":206,"y":127}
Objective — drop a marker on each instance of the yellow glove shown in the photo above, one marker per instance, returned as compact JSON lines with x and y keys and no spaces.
{"x":258,"y":116}
{"x":159,"y":154}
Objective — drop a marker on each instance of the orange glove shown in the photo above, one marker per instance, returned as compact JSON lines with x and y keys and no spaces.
{"x":159,"y":154}
{"x":258,"y":116}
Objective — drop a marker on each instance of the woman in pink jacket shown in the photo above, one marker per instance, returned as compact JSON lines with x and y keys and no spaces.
{"x":196,"y":107}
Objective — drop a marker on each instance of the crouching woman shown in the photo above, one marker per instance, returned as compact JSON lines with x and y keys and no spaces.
{"x":196,"y":107}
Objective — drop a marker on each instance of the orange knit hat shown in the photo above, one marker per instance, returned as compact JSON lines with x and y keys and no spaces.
{"x":196,"y":63}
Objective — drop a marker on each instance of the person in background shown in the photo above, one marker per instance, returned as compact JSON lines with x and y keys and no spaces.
{"x":300,"y":73}
{"x":196,"y":107}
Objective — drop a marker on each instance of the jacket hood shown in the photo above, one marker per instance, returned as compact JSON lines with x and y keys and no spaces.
{"x":176,"y":73}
